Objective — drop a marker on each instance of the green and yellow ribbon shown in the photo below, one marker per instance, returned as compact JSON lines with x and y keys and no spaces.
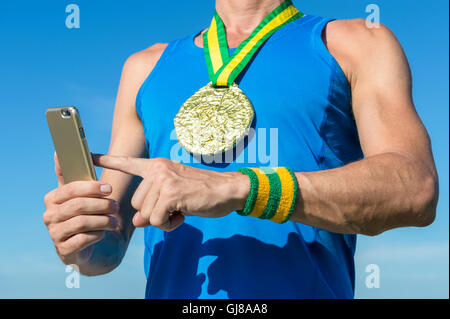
{"x":224,"y":69}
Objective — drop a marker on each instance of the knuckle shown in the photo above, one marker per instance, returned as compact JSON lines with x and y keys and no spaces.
{"x":48,"y":198}
{"x":162,"y":177}
{"x":169,"y":189}
{"x":76,"y":204}
{"x":145,"y":213}
{"x":170,"y":183}
{"x":52,"y":233}
{"x":159,"y":164}
{"x":47,"y":218}
{"x":124,"y":161}
{"x":136,"y":203}
{"x":80,"y":223}
{"x":56,"y":234}
{"x":63,"y":248}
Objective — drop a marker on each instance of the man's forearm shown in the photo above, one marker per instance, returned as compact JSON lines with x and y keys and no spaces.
{"x":368,"y":197}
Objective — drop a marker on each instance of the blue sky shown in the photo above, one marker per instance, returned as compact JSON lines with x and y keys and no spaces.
{"x":42,"y":64}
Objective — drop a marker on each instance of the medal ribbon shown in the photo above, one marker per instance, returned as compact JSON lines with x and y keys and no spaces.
{"x":223,"y":69}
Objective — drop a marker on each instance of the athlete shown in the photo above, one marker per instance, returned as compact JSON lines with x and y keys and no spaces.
{"x":333,"y":96}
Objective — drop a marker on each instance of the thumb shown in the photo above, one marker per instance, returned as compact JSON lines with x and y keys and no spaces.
{"x":58,"y":171}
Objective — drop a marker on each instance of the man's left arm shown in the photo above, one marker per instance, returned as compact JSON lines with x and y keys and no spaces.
{"x":396,"y":184}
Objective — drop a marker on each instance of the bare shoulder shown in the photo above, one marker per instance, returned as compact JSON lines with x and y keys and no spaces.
{"x":353,"y":43}
{"x":141,"y":63}
{"x":135,"y":70}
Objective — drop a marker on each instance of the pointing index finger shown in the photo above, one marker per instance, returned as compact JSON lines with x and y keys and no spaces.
{"x":125,"y":164}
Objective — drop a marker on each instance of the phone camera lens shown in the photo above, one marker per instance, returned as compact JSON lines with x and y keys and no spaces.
{"x":65,"y":113}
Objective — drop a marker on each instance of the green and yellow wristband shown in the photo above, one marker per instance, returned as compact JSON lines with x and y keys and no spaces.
{"x":273,"y":193}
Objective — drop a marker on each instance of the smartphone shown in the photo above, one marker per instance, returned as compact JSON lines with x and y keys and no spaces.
{"x":70,"y":144}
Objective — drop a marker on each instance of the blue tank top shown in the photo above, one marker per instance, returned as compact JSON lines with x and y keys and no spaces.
{"x":303,"y":120}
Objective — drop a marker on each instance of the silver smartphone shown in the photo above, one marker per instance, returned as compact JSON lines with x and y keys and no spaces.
{"x":70,"y":144}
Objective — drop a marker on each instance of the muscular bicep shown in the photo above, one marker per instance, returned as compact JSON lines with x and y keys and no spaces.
{"x":382,"y":101}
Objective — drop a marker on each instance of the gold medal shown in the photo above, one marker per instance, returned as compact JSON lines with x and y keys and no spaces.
{"x":213,"y":120}
{"x":219,"y":115}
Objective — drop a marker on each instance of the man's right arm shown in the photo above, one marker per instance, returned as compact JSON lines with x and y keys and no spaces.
{"x":87,"y":227}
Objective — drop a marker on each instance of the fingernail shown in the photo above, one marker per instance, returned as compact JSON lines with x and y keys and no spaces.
{"x":105,"y":188}
{"x":114,"y":221}
{"x":116,"y":205}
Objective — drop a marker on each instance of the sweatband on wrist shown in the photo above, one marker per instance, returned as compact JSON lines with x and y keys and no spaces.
{"x":254,"y":184}
{"x":272,"y":195}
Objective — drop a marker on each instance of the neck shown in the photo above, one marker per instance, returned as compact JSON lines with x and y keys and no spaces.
{"x":243,"y":16}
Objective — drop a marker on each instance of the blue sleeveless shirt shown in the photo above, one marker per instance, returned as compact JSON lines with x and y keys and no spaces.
{"x":303,"y":120}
